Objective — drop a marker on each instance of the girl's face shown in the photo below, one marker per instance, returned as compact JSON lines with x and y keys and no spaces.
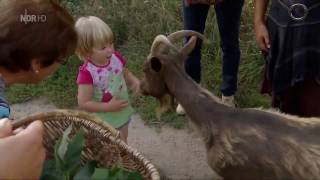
{"x":102,"y":55}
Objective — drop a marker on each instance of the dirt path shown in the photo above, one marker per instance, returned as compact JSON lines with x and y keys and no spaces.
{"x":178,"y":154}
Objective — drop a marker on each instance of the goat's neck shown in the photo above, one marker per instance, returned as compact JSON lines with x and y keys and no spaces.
{"x":191,"y":96}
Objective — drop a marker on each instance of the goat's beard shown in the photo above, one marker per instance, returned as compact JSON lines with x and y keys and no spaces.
{"x":166,"y":102}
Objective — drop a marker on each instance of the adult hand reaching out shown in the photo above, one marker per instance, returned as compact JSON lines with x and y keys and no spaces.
{"x":5,"y":128}
{"x":23,"y":154}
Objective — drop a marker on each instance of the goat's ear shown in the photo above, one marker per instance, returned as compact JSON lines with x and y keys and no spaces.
{"x":155,"y":64}
{"x":189,"y":46}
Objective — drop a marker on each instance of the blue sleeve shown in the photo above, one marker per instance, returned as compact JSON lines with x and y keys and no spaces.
{"x":4,"y":112}
{"x":4,"y":108}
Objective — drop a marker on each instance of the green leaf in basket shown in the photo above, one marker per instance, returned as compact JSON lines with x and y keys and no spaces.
{"x":63,"y":145}
{"x":58,"y":161}
{"x":50,"y":172}
{"x":86,"y":171}
{"x":100,"y":174}
{"x":73,"y":154}
{"x":116,"y":174}
{"x":135,"y":176}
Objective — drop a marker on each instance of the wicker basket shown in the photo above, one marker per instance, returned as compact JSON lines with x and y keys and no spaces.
{"x":102,"y":141}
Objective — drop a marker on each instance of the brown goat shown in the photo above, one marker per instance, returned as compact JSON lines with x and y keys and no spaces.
{"x":241,"y":143}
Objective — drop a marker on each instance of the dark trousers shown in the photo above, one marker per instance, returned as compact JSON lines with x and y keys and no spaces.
{"x":228,"y":15}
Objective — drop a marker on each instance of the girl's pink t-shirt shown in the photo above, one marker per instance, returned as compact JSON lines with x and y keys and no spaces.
{"x":98,"y":76}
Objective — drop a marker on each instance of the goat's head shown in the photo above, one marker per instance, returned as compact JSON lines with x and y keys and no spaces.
{"x":164,"y":54}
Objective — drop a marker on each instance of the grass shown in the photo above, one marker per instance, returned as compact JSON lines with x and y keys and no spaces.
{"x":135,"y":23}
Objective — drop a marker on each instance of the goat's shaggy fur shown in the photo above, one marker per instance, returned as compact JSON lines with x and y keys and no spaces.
{"x":241,"y":143}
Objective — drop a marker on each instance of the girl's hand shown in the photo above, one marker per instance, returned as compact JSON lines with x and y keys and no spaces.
{"x":133,"y":83}
{"x":262,"y":37}
{"x":135,"y":87}
{"x":115,"y":105}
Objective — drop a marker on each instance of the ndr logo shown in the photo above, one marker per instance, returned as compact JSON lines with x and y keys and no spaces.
{"x":32,"y":18}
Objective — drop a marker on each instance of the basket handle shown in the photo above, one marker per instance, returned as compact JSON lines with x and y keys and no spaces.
{"x":21,"y":122}
{"x":18,"y":123}
{"x":62,"y":113}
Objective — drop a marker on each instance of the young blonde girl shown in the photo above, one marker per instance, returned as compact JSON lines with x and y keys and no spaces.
{"x":103,"y":79}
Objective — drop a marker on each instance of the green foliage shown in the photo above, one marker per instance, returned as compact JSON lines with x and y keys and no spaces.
{"x":66,"y":160}
{"x":115,"y":174}
{"x":66,"y":164}
{"x":86,"y":171}
{"x":135,"y":23}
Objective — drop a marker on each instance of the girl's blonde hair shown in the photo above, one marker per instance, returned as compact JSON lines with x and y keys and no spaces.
{"x":92,"y":33}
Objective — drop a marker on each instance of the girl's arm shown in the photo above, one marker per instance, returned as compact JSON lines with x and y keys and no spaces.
{"x":85,"y":101}
{"x":132,"y":81}
{"x":262,"y":35}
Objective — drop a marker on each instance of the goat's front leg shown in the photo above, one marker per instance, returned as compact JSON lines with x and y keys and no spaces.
{"x":165,"y":102}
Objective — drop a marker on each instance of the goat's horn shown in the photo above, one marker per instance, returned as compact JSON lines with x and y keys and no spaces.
{"x":189,"y":46}
{"x":161,"y":39}
{"x":173,"y":37}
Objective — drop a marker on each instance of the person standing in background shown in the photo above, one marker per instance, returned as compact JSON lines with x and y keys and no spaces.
{"x":228,"y":14}
{"x":289,"y":38}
